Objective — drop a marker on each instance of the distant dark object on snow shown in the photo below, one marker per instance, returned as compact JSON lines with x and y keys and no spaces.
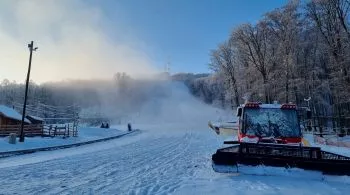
{"x":129,"y":127}
{"x":105,"y":126}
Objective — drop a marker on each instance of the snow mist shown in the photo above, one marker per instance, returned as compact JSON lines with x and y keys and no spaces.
{"x":161,"y":102}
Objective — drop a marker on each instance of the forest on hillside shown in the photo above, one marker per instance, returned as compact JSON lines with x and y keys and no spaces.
{"x":298,"y":51}
{"x":112,"y":98}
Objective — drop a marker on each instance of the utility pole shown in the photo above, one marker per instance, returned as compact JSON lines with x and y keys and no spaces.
{"x":31,"y":49}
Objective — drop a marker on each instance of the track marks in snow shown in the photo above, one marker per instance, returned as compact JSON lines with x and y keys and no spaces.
{"x":155,"y":167}
{"x":157,"y":164}
{"x":167,"y":165}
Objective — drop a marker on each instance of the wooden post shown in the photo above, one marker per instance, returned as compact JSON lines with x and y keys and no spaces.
{"x":341,"y":132}
{"x":319,"y":125}
{"x":314,"y":124}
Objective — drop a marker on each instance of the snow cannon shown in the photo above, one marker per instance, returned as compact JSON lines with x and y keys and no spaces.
{"x":270,"y":135}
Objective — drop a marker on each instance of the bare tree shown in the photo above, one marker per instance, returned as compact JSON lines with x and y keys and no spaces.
{"x":222,"y":60}
{"x":284,"y":25}
{"x":332,"y":20}
{"x":255,"y":49}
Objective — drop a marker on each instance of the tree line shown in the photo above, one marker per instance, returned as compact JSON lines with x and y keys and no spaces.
{"x":113,"y":98}
{"x":298,"y":51}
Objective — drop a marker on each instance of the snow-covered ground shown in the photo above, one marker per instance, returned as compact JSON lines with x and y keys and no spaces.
{"x":84,"y":134}
{"x":335,"y":149}
{"x":171,"y":155}
{"x":168,"y":159}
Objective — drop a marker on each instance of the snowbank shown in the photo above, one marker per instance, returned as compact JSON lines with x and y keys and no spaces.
{"x":329,"y":148}
{"x":84,"y":134}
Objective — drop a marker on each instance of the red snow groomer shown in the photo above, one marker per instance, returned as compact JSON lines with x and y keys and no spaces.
{"x":270,"y":135}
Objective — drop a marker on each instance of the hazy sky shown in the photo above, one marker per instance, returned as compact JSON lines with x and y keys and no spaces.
{"x":95,"y":39}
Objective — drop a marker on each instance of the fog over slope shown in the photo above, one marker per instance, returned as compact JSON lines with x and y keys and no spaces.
{"x":178,"y":105}
{"x":154,"y":102}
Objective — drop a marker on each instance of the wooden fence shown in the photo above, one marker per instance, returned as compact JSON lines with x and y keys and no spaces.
{"x":64,"y":130}
{"x":29,"y":130}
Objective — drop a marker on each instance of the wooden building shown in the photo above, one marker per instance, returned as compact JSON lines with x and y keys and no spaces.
{"x":9,"y":116}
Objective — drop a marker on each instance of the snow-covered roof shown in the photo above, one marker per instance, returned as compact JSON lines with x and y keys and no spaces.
{"x":36,"y":118}
{"x":11,"y":113}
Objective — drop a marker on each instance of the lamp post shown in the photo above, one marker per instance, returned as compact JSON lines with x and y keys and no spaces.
{"x":308,"y":101}
{"x":31,"y":49}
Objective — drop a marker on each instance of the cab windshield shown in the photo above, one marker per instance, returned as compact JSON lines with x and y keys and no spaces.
{"x":271,"y":122}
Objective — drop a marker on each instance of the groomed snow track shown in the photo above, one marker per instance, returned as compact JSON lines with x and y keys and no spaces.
{"x":144,"y":167}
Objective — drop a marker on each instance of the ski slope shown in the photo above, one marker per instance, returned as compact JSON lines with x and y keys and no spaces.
{"x":151,"y":162}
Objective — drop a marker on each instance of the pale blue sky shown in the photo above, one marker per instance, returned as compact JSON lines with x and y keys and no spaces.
{"x":183,"y":31}
{"x":87,"y":39}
